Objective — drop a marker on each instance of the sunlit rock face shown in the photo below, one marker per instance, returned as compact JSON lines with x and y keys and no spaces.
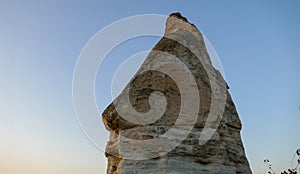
{"x":167,"y":136}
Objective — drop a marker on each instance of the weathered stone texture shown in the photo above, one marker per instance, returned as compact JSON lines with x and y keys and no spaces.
{"x":223,"y":153}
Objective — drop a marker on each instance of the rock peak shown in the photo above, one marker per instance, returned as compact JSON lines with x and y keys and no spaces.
{"x":180,"y":21}
{"x":179,"y":16}
{"x":179,"y":26}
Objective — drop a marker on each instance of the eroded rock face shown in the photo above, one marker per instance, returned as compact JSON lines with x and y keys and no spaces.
{"x":164,"y":144}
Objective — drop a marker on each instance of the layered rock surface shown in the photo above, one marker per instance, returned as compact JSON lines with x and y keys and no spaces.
{"x":223,"y":152}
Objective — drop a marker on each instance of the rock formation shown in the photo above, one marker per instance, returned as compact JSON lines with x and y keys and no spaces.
{"x":161,"y":135}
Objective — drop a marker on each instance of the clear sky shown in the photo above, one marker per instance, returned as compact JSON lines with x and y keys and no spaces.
{"x":258,"y":43}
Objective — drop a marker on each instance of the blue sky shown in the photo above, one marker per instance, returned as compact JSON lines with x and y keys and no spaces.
{"x":40,"y":41}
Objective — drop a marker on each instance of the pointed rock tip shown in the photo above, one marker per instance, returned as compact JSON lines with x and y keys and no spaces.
{"x":177,"y":22}
{"x":179,"y":16}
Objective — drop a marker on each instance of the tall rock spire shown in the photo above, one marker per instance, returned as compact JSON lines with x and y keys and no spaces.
{"x":176,"y":114}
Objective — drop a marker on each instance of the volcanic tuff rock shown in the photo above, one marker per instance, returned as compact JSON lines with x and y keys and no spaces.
{"x":222,"y":153}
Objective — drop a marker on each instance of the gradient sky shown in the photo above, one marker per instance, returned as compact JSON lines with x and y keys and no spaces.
{"x":258,"y":43}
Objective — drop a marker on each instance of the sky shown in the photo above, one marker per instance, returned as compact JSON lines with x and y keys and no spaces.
{"x":258,"y":43}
